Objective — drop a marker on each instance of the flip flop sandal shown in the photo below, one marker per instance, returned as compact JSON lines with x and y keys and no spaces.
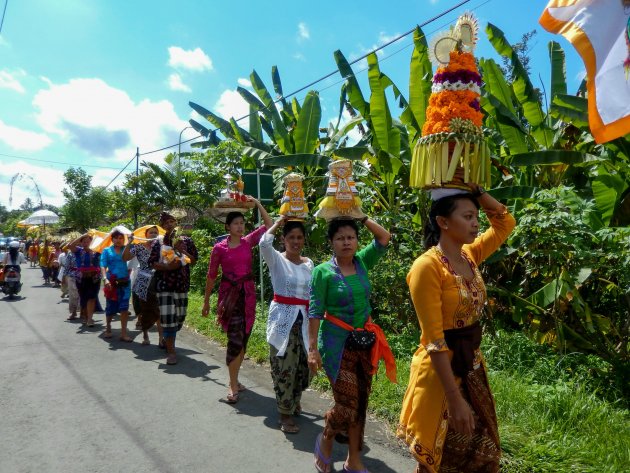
{"x":126,"y":339}
{"x":319,"y":456}
{"x":232,"y":398}
{"x":348,"y":470}
{"x":289,"y":427}
{"x":146,"y":342}
{"x":171,"y":359}
{"x":241,"y":388}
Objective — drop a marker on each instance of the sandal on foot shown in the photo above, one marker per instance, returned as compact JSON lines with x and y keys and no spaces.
{"x":171,"y":359}
{"x":107,"y":334}
{"x":146,"y":342}
{"x":232,"y":398}
{"x":348,"y":470}
{"x":288,"y":427}
{"x":319,"y":456}
{"x":241,"y":388}
{"x":72,"y":317}
{"x":126,"y":339}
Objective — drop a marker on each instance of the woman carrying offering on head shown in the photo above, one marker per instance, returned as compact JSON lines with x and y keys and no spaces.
{"x":340,"y":295}
{"x":448,"y":416}
{"x":287,"y":323}
{"x":237,"y":293}
{"x":148,"y":311}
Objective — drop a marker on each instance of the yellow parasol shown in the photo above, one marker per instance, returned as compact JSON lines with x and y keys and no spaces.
{"x":102,"y":240}
{"x":32,"y":229}
{"x":140,"y":233}
{"x":23,"y":224}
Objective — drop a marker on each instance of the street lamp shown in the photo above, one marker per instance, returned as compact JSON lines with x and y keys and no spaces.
{"x":179,"y":163}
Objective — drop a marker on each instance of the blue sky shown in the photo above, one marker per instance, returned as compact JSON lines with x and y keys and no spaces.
{"x":85,"y":82}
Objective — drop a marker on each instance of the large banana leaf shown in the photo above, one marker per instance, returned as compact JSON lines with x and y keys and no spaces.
{"x":280,"y":135}
{"x":199,"y":128}
{"x":407,"y":117}
{"x":255,"y":128}
{"x":571,"y":109}
{"x":420,"y":74}
{"x":558,"y":70}
{"x":355,"y":153}
{"x":524,"y":91}
{"x":277,"y":86}
{"x":548,"y":157}
{"x":497,"y":103}
{"x":355,"y":96}
{"x":607,"y":191}
{"x":297,"y":160}
{"x":388,"y":136}
{"x":306,"y":134}
{"x":223,"y":125}
{"x":256,"y":153}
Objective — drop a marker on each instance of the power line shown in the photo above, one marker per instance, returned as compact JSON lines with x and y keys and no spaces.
{"x":57,"y":162}
{"x":121,"y":171}
{"x":4,"y":11}
{"x":332,"y":73}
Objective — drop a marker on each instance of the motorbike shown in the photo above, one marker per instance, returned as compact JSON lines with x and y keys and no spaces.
{"x":11,"y":284}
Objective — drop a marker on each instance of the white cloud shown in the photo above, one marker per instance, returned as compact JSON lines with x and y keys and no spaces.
{"x":193,"y":60}
{"x":9,"y":80}
{"x":104,"y":121}
{"x":232,"y":105}
{"x":23,"y":140}
{"x":244,"y":82}
{"x":303,"y":32}
{"x":175,"y":83}
{"x":299,"y":57}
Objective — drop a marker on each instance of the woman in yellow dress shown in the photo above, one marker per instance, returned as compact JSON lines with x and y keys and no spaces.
{"x":448,"y":416}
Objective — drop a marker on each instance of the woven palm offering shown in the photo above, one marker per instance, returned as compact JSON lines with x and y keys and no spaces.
{"x":293,"y":204}
{"x":452,"y":138}
{"x":342,"y":198}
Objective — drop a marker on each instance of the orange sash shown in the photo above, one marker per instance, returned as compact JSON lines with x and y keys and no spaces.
{"x":379,"y":350}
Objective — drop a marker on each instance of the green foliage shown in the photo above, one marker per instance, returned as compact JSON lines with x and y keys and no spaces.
{"x":85,"y":205}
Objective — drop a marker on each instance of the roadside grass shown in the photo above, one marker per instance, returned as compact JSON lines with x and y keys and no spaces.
{"x":552,"y":418}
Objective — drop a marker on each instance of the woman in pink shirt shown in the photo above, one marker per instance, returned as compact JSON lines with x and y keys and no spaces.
{"x":236,"y":308}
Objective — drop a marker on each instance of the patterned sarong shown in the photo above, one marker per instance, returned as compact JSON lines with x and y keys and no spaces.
{"x":481,"y":452}
{"x":350,"y":392}
{"x":172,"y":306}
{"x":290,"y":372}
{"x":236,"y":330}
{"x":149,"y":310}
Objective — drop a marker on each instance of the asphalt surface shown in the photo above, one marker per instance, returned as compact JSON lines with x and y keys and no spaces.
{"x":72,"y":401}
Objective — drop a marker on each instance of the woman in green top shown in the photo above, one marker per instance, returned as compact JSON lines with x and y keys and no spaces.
{"x":341,"y":288}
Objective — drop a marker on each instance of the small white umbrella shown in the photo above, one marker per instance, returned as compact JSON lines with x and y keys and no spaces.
{"x":42,"y":217}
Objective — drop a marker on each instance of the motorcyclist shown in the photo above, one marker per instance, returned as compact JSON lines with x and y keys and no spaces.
{"x":13,"y":257}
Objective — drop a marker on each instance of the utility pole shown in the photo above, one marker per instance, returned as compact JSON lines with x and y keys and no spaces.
{"x":135,"y":207}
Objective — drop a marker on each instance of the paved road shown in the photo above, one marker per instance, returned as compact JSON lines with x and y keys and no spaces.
{"x":71,"y":401}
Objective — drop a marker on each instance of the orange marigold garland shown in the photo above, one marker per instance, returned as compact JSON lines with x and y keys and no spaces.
{"x":451,"y":136}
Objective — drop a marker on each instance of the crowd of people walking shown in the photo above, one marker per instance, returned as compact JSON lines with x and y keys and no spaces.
{"x":320,"y":318}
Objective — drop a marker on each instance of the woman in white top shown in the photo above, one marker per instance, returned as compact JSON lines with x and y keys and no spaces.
{"x":287,"y":330}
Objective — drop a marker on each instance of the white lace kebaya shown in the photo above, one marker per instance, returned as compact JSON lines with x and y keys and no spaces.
{"x":289,"y":280}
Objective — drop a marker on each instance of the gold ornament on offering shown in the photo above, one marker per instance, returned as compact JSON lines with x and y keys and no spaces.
{"x":293,"y":204}
{"x":452,"y":139}
{"x":342,"y":198}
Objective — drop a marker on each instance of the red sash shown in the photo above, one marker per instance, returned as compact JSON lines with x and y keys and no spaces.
{"x":379,"y":350}
{"x":290,"y":300}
